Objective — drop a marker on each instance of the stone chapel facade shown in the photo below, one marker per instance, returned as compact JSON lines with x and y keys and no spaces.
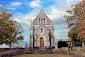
{"x":42,"y":32}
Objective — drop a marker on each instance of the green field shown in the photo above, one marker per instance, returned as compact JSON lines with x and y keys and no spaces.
{"x":43,"y":55}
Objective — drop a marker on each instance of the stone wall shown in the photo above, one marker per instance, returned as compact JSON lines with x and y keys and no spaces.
{"x":40,"y":51}
{"x":82,"y":49}
{"x":7,"y":49}
{"x":11,"y":54}
{"x":79,"y":49}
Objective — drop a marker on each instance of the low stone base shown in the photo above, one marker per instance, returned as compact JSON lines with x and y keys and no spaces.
{"x":42,"y":48}
{"x":41,"y":51}
{"x":11,"y":54}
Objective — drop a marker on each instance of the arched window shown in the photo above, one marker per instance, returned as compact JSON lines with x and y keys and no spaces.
{"x":44,"y":20}
{"x":41,"y":30}
{"x":39,"y":20}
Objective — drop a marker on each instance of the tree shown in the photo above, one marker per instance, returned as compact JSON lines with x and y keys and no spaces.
{"x":73,"y":32}
{"x":76,"y":22}
{"x":80,"y":8}
{"x":10,"y":30}
{"x":72,"y":25}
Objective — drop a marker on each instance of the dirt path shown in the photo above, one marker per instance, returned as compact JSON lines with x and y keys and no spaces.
{"x":43,"y":55}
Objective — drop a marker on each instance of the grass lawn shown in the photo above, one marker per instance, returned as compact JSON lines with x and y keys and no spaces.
{"x":7,"y":51}
{"x":43,"y":55}
{"x":78,"y":52}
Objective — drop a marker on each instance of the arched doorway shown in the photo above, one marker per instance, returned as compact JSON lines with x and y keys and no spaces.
{"x":41,"y":42}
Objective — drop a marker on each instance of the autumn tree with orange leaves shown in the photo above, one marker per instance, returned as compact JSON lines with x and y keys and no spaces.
{"x":76,"y":22}
{"x":10,"y":30}
{"x":81,"y":19}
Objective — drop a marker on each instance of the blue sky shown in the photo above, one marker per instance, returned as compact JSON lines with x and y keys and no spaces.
{"x":26,"y":10}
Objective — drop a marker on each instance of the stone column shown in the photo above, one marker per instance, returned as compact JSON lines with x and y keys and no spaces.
{"x":31,"y":38}
{"x":31,"y":43}
{"x":35,"y":42}
{"x":51,"y":42}
{"x":83,"y":45}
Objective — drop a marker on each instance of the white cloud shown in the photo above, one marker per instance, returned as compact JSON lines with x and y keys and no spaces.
{"x":57,"y":16}
{"x":71,"y":2}
{"x":61,"y":34}
{"x":1,"y":5}
{"x":12,"y":8}
{"x":55,"y":13}
{"x":35,"y":3}
{"x":65,"y":4}
{"x":16,"y":3}
{"x":63,"y":31}
{"x":25,"y":19}
{"x":61,"y":26}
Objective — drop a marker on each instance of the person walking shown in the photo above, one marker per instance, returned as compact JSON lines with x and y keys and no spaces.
{"x":69,"y":46}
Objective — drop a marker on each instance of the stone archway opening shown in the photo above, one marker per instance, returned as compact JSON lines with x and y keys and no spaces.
{"x":41,"y":42}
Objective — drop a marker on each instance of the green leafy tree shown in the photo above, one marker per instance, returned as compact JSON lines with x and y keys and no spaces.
{"x":10,"y":30}
{"x":73,"y":32}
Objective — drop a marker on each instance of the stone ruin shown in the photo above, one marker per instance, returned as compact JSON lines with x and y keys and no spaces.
{"x":83,"y":45}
